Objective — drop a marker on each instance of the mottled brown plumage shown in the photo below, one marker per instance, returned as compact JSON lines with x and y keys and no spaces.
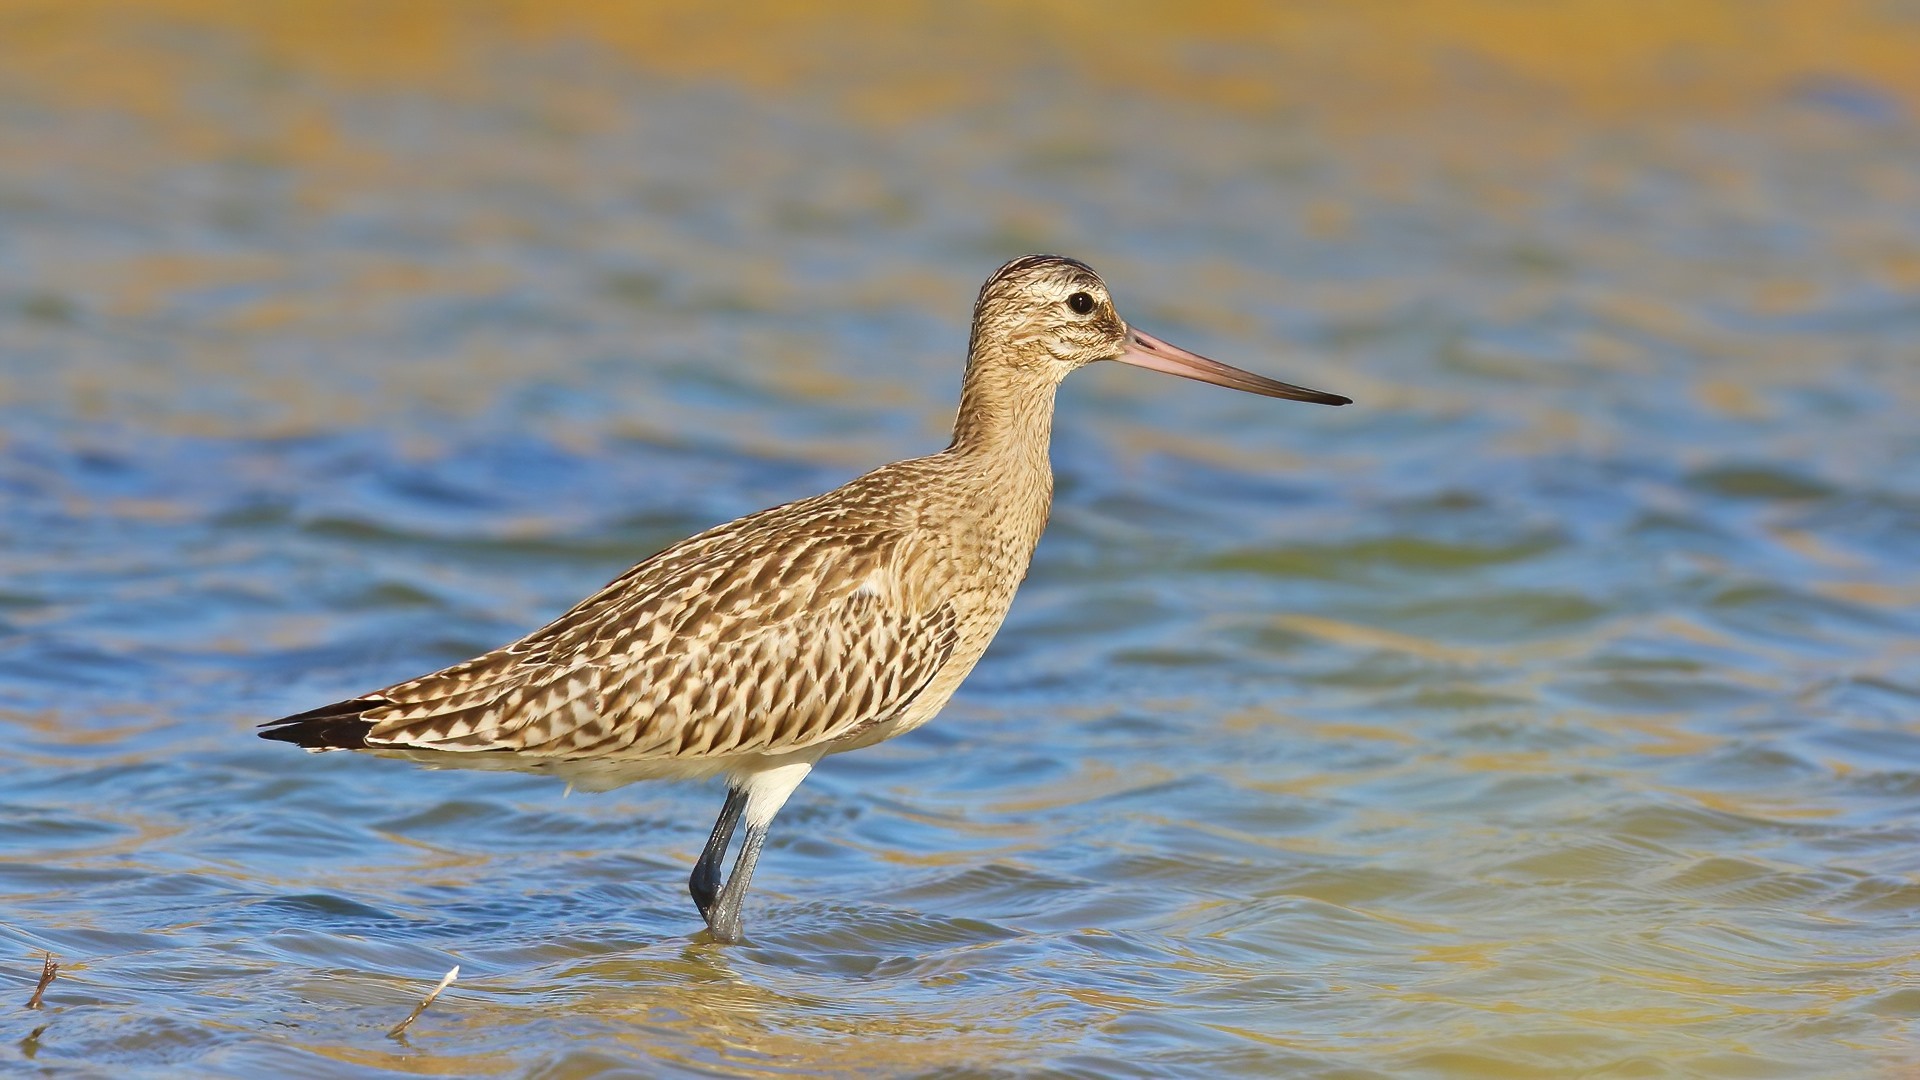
{"x":760,"y":646}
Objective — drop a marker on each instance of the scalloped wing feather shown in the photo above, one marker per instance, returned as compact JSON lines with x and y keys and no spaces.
{"x":751,"y":638}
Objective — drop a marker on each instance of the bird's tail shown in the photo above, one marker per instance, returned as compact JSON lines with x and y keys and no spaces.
{"x":338,"y":726}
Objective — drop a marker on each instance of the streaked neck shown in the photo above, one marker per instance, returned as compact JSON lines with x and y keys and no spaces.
{"x":1005,"y":412}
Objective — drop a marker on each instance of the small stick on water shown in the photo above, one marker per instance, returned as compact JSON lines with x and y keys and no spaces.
{"x":48,"y":970}
{"x":445,"y":981}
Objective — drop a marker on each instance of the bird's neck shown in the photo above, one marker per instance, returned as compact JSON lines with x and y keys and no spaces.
{"x":1006,"y":416}
{"x":1000,"y":441}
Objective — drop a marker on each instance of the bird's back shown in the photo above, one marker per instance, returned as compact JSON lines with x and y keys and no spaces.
{"x":809,"y":627}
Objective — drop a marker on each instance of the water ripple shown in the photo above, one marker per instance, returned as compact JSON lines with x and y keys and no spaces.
{"x":1547,"y":713}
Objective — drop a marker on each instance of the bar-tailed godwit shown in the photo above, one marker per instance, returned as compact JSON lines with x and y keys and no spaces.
{"x":758,"y":647}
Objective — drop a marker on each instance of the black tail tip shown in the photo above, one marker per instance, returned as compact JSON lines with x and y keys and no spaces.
{"x":330,"y":727}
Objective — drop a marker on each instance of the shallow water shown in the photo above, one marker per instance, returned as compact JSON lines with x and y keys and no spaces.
{"x":1550,"y":711}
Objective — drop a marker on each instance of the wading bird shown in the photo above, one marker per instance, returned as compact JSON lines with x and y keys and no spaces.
{"x":758,"y":647}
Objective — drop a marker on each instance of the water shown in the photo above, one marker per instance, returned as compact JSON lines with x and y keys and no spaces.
{"x":1548,"y":712}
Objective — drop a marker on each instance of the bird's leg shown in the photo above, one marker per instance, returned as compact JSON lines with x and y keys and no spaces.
{"x":763,"y":793}
{"x":724,"y":919}
{"x":705,"y":881}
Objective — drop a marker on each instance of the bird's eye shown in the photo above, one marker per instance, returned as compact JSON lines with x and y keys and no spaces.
{"x":1080,"y":302}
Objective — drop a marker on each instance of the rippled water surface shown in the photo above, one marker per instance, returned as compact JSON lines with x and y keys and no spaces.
{"x":1552,"y":711}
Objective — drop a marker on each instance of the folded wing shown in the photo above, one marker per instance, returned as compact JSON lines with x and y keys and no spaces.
{"x":747,"y":639}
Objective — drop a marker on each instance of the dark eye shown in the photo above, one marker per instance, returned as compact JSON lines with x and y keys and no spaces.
{"x":1080,"y":302}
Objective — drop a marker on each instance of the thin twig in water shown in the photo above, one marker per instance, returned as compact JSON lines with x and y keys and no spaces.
{"x":47,"y":971}
{"x":445,"y":981}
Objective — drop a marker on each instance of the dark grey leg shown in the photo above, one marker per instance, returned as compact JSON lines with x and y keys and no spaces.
{"x":756,"y":796}
{"x":705,"y":881}
{"x":724,"y":919}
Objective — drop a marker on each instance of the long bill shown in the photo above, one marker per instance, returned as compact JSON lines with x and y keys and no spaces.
{"x":1145,"y":350}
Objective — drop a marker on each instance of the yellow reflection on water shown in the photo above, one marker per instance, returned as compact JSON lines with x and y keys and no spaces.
{"x":1361,"y":58}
